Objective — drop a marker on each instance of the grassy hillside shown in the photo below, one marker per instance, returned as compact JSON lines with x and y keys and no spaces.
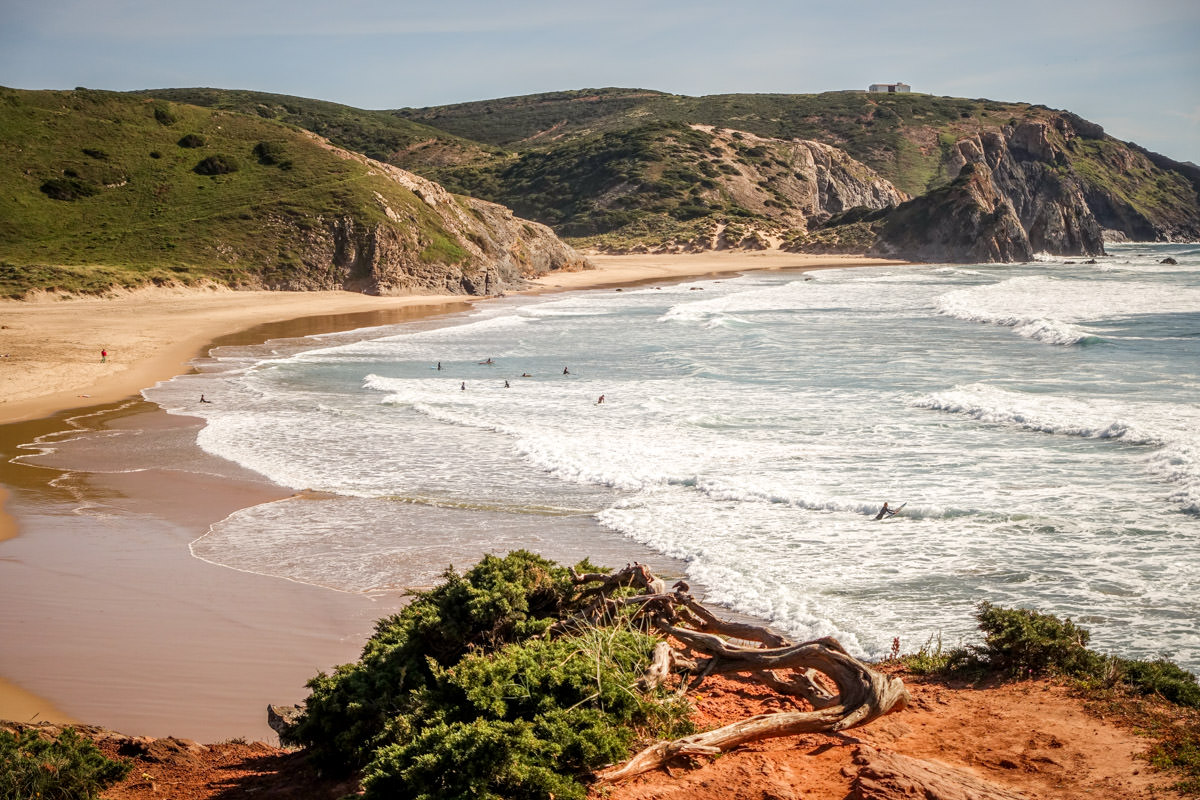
{"x":603,"y":162}
{"x":382,"y":135}
{"x":656,"y":174}
{"x":101,"y":188}
{"x":900,"y":136}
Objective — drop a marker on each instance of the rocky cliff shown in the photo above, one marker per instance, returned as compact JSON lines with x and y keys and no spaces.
{"x":969,"y":220}
{"x":1056,"y":185}
{"x":1032,"y":174}
{"x":671,"y":187}
{"x":792,"y":181}
{"x":444,"y":244}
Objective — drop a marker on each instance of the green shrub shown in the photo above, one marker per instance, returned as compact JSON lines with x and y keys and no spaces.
{"x":931,"y":659}
{"x":67,"y":768}
{"x":459,"y":695}
{"x":272,"y":154}
{"x":217,"y":165}
{"x":1020,"y":643}
{"x":68,"y":188}
{"x":164,"y":115}
{"x":524,"y":722}
{"x":497,"y":601}
{"x":1162,"y":678}
{"x":1178,"y":750}
{"x":100,"y":155}
{"x":191,"y":141}
{"x":483,"y":759}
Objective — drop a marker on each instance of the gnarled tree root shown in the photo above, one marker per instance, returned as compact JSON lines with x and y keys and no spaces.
{"x":863,"y":695}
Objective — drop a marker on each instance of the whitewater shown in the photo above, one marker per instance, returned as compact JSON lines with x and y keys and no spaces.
{"x":1040,"y":422}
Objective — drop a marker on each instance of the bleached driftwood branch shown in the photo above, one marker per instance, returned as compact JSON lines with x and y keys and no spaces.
{"x":862,"y":694}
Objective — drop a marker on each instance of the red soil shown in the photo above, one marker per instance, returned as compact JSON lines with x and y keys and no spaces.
{"x":1031,"y":738}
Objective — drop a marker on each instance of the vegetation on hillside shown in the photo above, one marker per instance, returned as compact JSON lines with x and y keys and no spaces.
{"x":102,"y":188}
{"x":381,"y":135}
{"x":897,"y":135}
{"x":659,"y":172}
{"x":598,"y":164}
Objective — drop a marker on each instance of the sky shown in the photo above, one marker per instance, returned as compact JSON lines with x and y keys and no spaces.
{"x":1132,"y":67}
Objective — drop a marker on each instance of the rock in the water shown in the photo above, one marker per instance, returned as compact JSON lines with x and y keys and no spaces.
{"x":1169,"y":260}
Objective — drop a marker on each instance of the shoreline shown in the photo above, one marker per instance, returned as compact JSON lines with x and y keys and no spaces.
{"x":187,"y":327}
{"x":153,"y":335}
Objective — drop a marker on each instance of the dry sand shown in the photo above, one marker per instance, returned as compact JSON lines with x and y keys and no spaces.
{"x":130,"y":606}
{"x":50,"y":348}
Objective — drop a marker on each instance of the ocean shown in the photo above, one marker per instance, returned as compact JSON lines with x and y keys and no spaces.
{"x":1040,"y":424}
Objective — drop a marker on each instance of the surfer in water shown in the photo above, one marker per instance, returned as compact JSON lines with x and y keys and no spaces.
{"x":885,"y":511}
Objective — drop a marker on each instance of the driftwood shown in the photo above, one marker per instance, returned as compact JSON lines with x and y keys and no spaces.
{"x":695,"y":647}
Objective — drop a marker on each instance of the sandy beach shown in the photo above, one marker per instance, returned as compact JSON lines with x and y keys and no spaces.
{"x":50,"y":349}
{"x":113,"y":620}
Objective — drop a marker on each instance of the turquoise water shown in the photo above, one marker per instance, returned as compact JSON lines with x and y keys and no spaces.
{"x":1040,"y":422}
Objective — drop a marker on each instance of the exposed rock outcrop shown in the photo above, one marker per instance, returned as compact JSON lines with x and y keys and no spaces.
{"x":1069,"y":183}
{"x":1032,"y":174}
{"x":282,"y":720}
{"x":967,"y":221}
{"x":891,"y":776}
{"x":795,"y":181}
{"x":435,"y":242}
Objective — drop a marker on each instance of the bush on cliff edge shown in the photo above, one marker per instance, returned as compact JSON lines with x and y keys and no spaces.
{"x":68,"y":767}
{"x":459,"y":695}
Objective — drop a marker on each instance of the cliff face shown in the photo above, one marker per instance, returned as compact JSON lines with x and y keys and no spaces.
{"x":967,"y":221}
{"x":1045,"y":193}
{"x":1050,"y":185}
{"x":793,"y":181}
{"x":1068,"y":182}
{"x":444,"y":243}
{"x":841,"y":183}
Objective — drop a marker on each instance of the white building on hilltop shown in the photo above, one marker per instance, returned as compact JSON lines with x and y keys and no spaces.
{"x":891,"y":88}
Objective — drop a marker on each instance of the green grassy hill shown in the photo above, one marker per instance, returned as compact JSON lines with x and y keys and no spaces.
{"x":104,"y":188}
{"x":382,"y":135}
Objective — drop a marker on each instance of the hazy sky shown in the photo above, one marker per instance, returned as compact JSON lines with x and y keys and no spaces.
{"x":1132,"y":67}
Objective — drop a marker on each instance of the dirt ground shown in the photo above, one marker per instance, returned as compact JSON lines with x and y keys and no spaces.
{"x":1031,"y":739}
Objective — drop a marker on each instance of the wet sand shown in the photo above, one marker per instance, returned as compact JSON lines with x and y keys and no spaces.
{"x":109,"y":619}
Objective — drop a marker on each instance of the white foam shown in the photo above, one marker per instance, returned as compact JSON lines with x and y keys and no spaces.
{"x":755,"y":427}
{"x":1172,"y":429}
{"x":1051,"y":309}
